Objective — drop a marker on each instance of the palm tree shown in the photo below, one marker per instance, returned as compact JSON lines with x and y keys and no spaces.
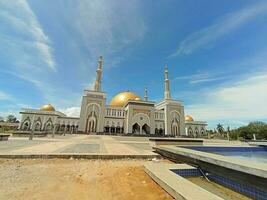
{"x":220,"y":128}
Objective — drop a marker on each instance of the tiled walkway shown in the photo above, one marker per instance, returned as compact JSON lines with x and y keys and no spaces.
{"x":113,"y":145}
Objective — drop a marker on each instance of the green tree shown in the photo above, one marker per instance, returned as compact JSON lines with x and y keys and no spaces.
{"x":234,"y":134}
{"x":258,"y":128}
{"x":11,"y":118}
{"x":220,"y":128}
{"x":245,"y":132}
{"x":263,"y":132}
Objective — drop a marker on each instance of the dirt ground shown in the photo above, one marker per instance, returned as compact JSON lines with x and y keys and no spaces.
{"x":77,"y":179}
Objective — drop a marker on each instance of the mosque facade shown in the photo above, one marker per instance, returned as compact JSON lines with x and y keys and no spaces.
{"x":126,"y":114}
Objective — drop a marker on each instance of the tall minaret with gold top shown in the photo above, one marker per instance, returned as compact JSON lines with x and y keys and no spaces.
{"x":98,"y":81}
{"x":167,"y":93}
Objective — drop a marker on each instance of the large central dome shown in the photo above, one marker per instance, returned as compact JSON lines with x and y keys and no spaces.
{"x":47,"y":107}
{"x":121,"y":99}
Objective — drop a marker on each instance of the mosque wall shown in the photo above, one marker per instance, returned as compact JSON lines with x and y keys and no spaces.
{"x":140,"y":118}
{"x":92,"y":112}
{"x":195,"y":128}
{"x":127,"y":113}
{"x":46,"y":121}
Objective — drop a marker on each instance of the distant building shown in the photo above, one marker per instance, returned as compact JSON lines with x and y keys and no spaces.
{"x":127,"y":113}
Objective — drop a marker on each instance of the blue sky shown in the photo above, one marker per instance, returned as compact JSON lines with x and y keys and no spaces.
{"x":216,"y":52}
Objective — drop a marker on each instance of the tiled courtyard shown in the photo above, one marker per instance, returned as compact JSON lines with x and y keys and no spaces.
{"x":80,"y":144}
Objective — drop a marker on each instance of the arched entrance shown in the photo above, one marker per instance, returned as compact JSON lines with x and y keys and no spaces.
{"x":62,"y":128}
{"x":175,"y":123}
{"x":93,"y":112}
{"x":91,"y":125}
{"x":107,"y":129}
{"x":136,"y":129}
{"x":175,"y":129}
{"x":38,"y":125}
{"x":48,"y":125}
{"x":112,"y":129}
{"x":26,"y":124}
{"x":145,"y":129}
{"x":141,"y":124}
{"x":118,"y":129}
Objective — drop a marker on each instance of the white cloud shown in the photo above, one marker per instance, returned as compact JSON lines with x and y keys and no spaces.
{"x":89,"y":29}
{"x":192,"y":76}
{"x":242,"y":100}
{"x":10,"y":112}
{"x":107,"y":27}
{"x":72,"y":111}
{"x":5,"y":96}
{"x":28,"y":52}
{"x":227,"y":24}
{"x":23,"y":24}
{"x":206,"y":80}
{"x":25,"y":46}
{"x":201,"y":77}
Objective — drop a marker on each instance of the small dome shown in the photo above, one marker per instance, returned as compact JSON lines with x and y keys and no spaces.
{"x":47,"y":107}
{"x":122,"y":98}
{"x":189,"y":118}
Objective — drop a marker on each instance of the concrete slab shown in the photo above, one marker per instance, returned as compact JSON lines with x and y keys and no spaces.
{"x":253,"y":168}
{"x":250,"y":173}
{"x":175,"y":141}
{"x":175,"y":185}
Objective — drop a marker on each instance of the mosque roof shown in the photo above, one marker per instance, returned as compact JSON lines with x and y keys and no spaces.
{"x":122,"y":98}
{"x":47,"y":107}
{"x":189,"y":118}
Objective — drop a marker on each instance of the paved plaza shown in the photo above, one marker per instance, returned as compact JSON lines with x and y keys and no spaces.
{"x":77,"y":144}
{"x":88,"y":145}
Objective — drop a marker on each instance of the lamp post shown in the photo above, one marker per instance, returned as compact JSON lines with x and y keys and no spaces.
{"x":228,"y":132}
{"x":54,"y":130}
{"x":32,"y":128}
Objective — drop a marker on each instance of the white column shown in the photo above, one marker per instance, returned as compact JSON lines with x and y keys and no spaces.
{"x":65,"y":129}
{"x":54,"y":130}
{"x":32,"y":128}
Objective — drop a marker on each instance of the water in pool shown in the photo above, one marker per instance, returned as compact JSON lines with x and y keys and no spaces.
{"x":258,"y":154}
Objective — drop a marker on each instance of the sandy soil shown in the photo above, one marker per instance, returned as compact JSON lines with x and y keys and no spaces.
{"x":77,"y":179}
{"x":217,"y":189}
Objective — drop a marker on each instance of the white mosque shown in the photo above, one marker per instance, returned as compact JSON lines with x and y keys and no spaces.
{"x":126,"y":114}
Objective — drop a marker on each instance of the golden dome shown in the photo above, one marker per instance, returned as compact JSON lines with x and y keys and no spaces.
{"x":122,"y":98}
{"x":189,"y":118}
{"x":47,"y":107}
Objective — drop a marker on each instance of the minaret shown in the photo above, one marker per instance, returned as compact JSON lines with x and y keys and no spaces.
{"x":167,"y":93}
{"x":98,"y":81}
{"x":146,"y":97}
